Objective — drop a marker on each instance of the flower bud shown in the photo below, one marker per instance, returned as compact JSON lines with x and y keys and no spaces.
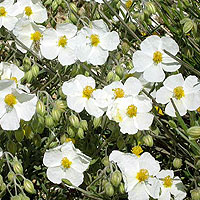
{"x":97,"y":122}
{"x":194,"y":132}
{"x":35,"y":70}
{"x":109,"y":190}
{"x":48,"y":2}
{"x":17,"y":197}
{"x":125,"y":47}
{"x":29,"y":187}
{"x":63,"y":138}
{"x":66,"y":181}
{"x":1,"y":180}
{"x":49,"y":121}
{"x":56,"y":114}
{"x":116,"y":178}
{"x":27,"y":61}
{"x":189,"y":24}
{"x":12,"y":147}
{"x":121,"y":188}
{"x":195,"y":194}
{"x":17,"y":167}
{"x":24,"y":197}
{"x":177,"y":163}
{"x":84,"y":125}
{"x":40,"y":108}
{"x":119,"y":71}
{"x":172,"y":124}
{"x":116,"y":78}
{"x":19,"y":135}
{"x":73,"y":18}
{"x":73,"y":7}
{"x":74,"y":121}
{"x":81,"y":11}
{"x":110,"y":76}
{"x":80,"y":133}
{"x":54,"y":5}
{"x":61,"y":105}
{"x":148,"y":140}
{"x":59,"y":1}
{"x":28,"y":76}
{"x":53,"y":144}
{"x":150,"y":7}
{"x":105,"y":161}
{"x":11,"y":176}
{"x":3,"y":188}
{"x":132,"y":26}
{"x":70,"y":131}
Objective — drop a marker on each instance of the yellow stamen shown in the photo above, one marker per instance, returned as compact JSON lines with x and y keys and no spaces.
{"x":2,"y":12}
{"x":119,"y":93}
{"x":14,"y":79}
{"x":10,"y":100}
{"x":159,"y":110}
{"x":131,"y":111}
{"x":94,"y":40}
{"x":70,"y":139}
{"x":62,"y":41}
{"x":142,"y":175}
{"x":157,"y":57}
{"x":28,"y":11}
{"x":167,"y":182}
{"x":36,"y":36}
{"x":66,"y":163}
{"x":118,"y":117}
{"x":137,"y":150}
{"x":198,"y":109}
{"x":129,"y":3}
{"x":87,"y":92}
{"x":179,"y":92}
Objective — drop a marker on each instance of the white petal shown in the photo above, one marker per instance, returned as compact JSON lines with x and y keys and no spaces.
{"x":191,"y":84}
{"x":153,"y":187}
{"x":154,"y":73}
{"x":151,"y":44}
{"x":9,"y":22}
{"x":165,"y":195}
{"x":83,"y":51}
{"x":39,"y":13}
{"x":138,"y":193}
{"x":169,"y":45}
{"x":55,"y":174}
{"x":173,"y":81}
{"x":72,"y":88}
{"x":69,"y":30}
{"x":163,"y":95}
{"x":99,"y":27}
{"x":76,"y":103}
{"x":141,"y":61}
{"x":101,"y":98}
{"x":128,"y":126}
{"x":132,"y":86}
{"x":169,"y":64}
{"x":192,"y":101}
{"x":85,"y":81}
{"x":109,"y":41}
{"x":163,"y":173}
{"x":143,"y":121}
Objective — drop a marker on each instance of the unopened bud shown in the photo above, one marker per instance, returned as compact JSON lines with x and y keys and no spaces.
{"x":119,"y":71}
{"x":61,"y":105}
{"x":151,"y":7}
{"x":28,"y":186}
{"x":84,"y":125}
{"x":66,"y":181}
{"x":17,"y":197}
{"x":73,"y":7}
{"x":110,"y":76}
{"x":122,"y":188}
{"x":27,"y":61}
{"x":195,"y":194}
{"x":148,"y":140}
{"x":177,"y":163}
{"x":56,"y":114}
{"x":109,"y":190}
{"x":74,"y":121}
{"x":194,"y":132}
{"x":11,"y":176}
{"x":54,"y":5}
{"x":73,"y":18}
{"x":80,"y":133}
{"x":49,"y":121}
{"x":35,"y":70}
{"x":28,"y":76}
{"x":172,"y":124}
{"x":132,"y":26}
{"x":48,"y":2}
{"x":97,"y":122}
{"x":116,"y":78}
{"x":17,"y":167}
{"x":105,"y":161}
{"x":116,"y":178}
{"x":189,"y":24}
{"x":40,"y":108}
{"x":59,"y":2}
{"x":70,"y":131}
{"x":125,"y":47}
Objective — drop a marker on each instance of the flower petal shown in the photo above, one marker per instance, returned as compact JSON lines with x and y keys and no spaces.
{"x":169,"y":45}
{"x":143,"y":121}
{"x":163,"y":95}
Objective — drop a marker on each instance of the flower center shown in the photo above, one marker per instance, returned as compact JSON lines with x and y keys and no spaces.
{"x":167,"y":181}
{"x":119,"y":93}
{"x":94,"y":40}
{"x":128,"y":3}
{"x":137,"y":150}
{"x":157,"y":57}
{"x":14,"y":79}
{"x":179,"y":92}
{"x":62,"y":41}
{"x":198,"y":109}
{"x":2,"y":12}
{"x":142,"y":175}
{"x":66,"y":163}
{"x":70,"y":139}
{"x":118,"y":117}
{"x":131,"y":111}
{"x":36,"y":36}
{"x":87,"y":92}
{"x":28,"y":11}
{"x":10,"y":100}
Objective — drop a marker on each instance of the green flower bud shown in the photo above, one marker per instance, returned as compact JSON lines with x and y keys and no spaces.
{"x":49,"y":121}
{"x":19,"y":135}
{"x":73,"y":7}
{"x":61,"y":105}
{"x":59,"y":2}
{"x":148,"y":140}
{"x":12,"y":147}
{"x":118,"y":56}
{"x":150,"y":7}
{"x":37,"y":140}
{"x":121,"y":188}
{"x":29,"y":187}
{"x":27,"y":61}
{"x":80,"y":133}
{"x":56,"y":114}
{"x":119,"y":71}
{"x":40,"y":120}
{"x":195,"y":194}
{"x":129,"y":65}
{"x":142,"y":16}
{"x":125,"y":47}
{"x":62,"y":95}
{"x":116,"y":78}
{"x":73,"y":18}
{"x":40,"y":108}
{"x":110,"y":76}
{"x":109,"y":190}
{"x":17,"y":167}
{"x":189,"y":24}
{"x":70,"y":131}
{"x":66,"y":181}
{"x":177,"y":163}
{"x":132,"y":26}
{"x":54,"y":5}
{"x":104,"y":181}
{"x":97,"y":122}
{"x":48,"y":2}
{"x":82,"y":11}
{"x":63,"y":138}
{"x":17,"y":197}
{"x":105,"y":161}
{"x":24,"y":197}
{"x":11,"y":176}
{"x":116,"y":178}
{"x":3,"y":188}
{"x":74,"y":121}
{"x":26,"y":67}
{"x":28,"y":76}
{"x":84,"y":125}
{"x":172,"y":124}
{"x":35,"y":70}
{"x":194,"y":132}
{"x":53,"y":144}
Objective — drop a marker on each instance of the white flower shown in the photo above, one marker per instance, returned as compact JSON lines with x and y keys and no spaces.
{"x":29,"y":34}
{"x":185,"y":94}
{"x":138,"y":174}
{"x":32,"y":10}
{"x":58,"y":43}
{"x":98,"y":1}
{"x":132,"y":113}
{"x":66,"y":162}
{"x":170,"y":185}
{"x":93,"y":44}
{"x":15,"y":105}
{"x":80,"y":93}
{"x":152,"y":59}
{"x":7,"y":19}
